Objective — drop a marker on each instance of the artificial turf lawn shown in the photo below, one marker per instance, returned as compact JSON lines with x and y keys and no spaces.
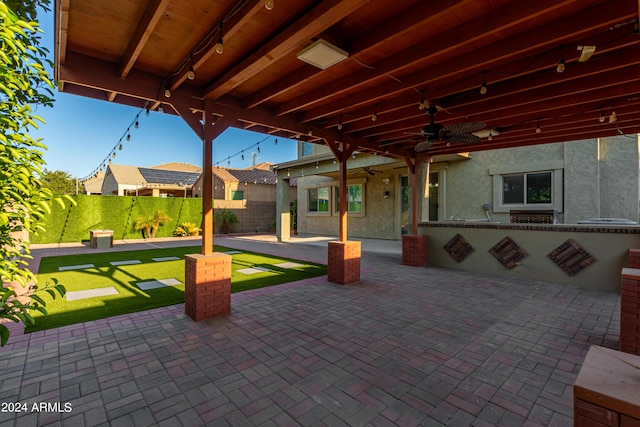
{"x":124,"y":277}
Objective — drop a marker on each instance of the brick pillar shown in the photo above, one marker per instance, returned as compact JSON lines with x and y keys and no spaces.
{"x":207,"y":292}
{"x":607,"y":391}
{"x":630,"y":311}
{"x":344,"y":262}
{"x":414,"y":250}
{"x":634,"y":258}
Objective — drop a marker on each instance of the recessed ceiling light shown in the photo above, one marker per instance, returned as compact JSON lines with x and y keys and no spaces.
{"x":322,"y":54}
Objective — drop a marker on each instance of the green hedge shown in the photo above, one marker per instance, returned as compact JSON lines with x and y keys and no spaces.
{"x":117,"y":213}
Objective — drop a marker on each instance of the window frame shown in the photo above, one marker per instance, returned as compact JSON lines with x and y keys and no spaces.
{"x":336,"y":196}
{"x":555,"y":168}
{"x":308,"y":204}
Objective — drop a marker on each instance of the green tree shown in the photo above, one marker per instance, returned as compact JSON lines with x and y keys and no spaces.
{"x":24,"y":83}
{"x":59,"y":182}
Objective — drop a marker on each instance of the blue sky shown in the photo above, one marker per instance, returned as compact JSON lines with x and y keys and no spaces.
{"x":81,"y":132}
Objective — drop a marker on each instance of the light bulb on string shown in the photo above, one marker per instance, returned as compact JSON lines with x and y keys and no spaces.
{"x":422,"y":104}
{"x":490,"y":136}
{"x":268,"y":4}
{"x":258,"y":148}
{"x":242,"y":156}
{"x":191,"y":74}
{"x":561,"y":66}
{"x":275,"y":142}
{"x":137,"y":125}
{"x":160,"y":109}
{"x":220,"y":44}
{"x":146,"y":113}
{"x":483,"y":88}
{"x":128,"y":136}
{"x":602,"y":117}
{"x":120,"y":148}
{"x":167,"y":92}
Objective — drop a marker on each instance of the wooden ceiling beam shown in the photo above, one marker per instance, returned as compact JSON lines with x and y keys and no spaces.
{"x":323,"y":16}
{"x":493,"y":56}
{"x":405,"y":22}
{"x":482,"y":30}
{"x":231,"y":28}
{"x":144,"y":29}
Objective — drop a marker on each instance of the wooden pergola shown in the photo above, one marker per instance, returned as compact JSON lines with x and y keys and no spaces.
{"x":533,"y":72}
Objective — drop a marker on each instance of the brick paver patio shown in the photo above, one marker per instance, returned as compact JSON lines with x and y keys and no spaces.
{"x":406,"y":346}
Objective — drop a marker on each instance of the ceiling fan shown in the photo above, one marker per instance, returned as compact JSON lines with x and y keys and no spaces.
{"x":459,"y":132}
{"x":366,"y":169}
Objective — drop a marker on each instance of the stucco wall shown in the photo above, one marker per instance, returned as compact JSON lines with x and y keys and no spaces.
{"x":610,"y":251}
{"x":596,"y":178}
{"x":380,"y":218}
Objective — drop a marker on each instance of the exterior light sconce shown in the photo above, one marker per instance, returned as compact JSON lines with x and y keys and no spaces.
{"x":386,"y":194}
{"x":386,"y":181}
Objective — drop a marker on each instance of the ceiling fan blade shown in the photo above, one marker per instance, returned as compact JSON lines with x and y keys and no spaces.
{"x":462,"y":128}
{"x":423,"y":146}
{"x":464,"y":138}
{"x":415,"y":133}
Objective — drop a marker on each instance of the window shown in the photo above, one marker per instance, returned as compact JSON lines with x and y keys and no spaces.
{"x":307,"y":149}
{"x":319,"y":199}
{"x":527,"y":188}
{"x":237,"y":194}
{"x":533,"y":185}
{"x":355,"y":198}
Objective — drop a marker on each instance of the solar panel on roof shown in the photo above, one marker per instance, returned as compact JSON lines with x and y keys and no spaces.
{"x":163,"y":176}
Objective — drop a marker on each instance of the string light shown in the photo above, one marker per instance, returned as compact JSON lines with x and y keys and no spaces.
{"x":167,"y":92}
{"x":490,"y":135}
{"x":560,"y":68}
{"x":220,"y":44}
{"x":422,"y":104}
{"x":602,"y":117}
{"x":483,"y":88}
{"x":613,"y":117}
{"x":258,"y":150}
{"x":276,"y":142}
{"x":268,"y":4}
{"x":538,"y":130}
{"x":119,"y":146}
{"x":243,"y":156}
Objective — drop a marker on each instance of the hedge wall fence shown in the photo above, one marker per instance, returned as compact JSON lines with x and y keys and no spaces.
{"x":119,"y":213}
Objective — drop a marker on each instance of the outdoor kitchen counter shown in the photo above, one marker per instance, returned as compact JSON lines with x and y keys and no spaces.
{"x":585,"y":255}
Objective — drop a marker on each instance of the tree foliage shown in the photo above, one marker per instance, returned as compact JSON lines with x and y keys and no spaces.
{"x":59,"y":182}
{"x":226,"y":220}
{"x":24,"y":84}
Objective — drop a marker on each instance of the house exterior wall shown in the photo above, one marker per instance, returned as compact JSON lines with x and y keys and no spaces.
{"x":592,"y":178}
{"x":109,"y":185}
{"x":379,"y":219}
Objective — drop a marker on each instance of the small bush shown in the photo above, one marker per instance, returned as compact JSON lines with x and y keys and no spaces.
{"x":187,"y":229}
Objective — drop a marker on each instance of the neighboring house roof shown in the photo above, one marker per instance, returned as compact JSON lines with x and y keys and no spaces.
{"x":93,"y":185}
{"x":126,"y":174}
{"x":250,"y":175}
{"x":164,"y":176}
{"x":263,"y":166}
{"x":176,"y":166}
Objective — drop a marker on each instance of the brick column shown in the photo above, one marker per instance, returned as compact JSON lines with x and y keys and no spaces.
{"x":344,"y":262}
{"x":630,"y":311}
{"x":634,"y":258}
{"x":414,"y":250}
{"x":607,"y":390}
{"x":207,"y":289}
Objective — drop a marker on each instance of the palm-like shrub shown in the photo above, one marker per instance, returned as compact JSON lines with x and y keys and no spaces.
{"x":225,"y":220}
{"x":187,"y":229}
{"x":150,"y":224}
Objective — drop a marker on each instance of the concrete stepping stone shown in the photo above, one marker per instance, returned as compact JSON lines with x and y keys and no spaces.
{"x":288,"y":265}
{"x":155,"y":284}
{"x":166,"y":258}
{"x":75,"y":267}
{"x":126,"y":262}
{"x":253,"y":270}
{"x":232,"y":252}
{"x":90,"y":293}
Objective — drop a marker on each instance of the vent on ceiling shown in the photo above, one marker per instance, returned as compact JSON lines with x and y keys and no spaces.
{"x":322,"y":54}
